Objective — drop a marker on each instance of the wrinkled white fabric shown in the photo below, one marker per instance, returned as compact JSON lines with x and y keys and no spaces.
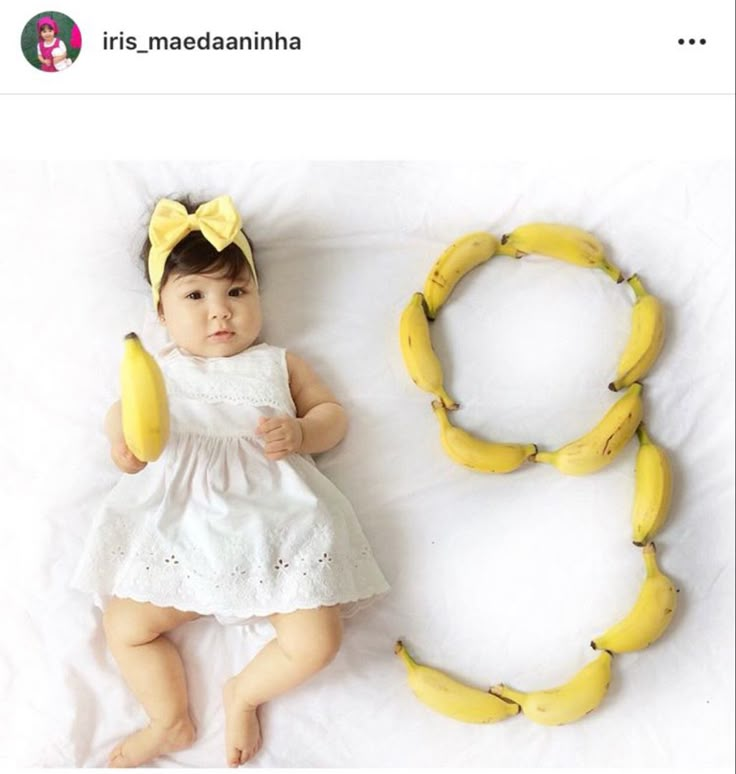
{"x":493,"y":578}
{"x":215,"y":527}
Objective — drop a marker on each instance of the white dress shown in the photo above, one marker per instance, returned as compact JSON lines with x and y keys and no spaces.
{"x":59,"y":48}
{"x":215,"y":527}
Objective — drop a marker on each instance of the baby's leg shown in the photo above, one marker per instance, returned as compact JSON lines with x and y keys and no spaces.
{"x":306,"y":641}
{"x":152,"y":668}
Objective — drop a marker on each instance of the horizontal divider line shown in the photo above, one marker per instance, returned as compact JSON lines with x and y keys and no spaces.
{"x":366,"y":94}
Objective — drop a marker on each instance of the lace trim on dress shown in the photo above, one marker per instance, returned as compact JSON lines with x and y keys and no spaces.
{"x":348,"y":606}
{"x":257,"y":377}
{"x":242,"y":585}
{"x":230,"y":389}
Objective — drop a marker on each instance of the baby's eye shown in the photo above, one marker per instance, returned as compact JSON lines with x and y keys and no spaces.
{"x":194,"y":295}
{"x":237,"y":292}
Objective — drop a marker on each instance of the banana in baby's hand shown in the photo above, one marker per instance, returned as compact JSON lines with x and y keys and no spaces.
{"x":144,"y":405}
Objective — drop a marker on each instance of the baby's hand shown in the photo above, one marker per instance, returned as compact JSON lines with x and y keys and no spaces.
{"x":124,"y":458}
{"x":283,"y":436}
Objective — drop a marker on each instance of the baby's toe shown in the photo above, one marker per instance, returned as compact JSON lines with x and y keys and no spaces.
{"x":233,"y":758}
{"x":115,"y":758}
{"x":246,"y":755}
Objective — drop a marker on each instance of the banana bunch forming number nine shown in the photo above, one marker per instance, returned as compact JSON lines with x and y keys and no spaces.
{"x":649,"y":617}
{"x":568,"y":702}
{"x":420,"y":359}
{"x":460,"y":257}
{"x":653,"y":489}
{"x":450,"y":697}
{"x":601,"y":445}
{"x":556,"y":240}
{"x":656,"y":602}
{"x":474,"y":453}
{"x":645,"y":340}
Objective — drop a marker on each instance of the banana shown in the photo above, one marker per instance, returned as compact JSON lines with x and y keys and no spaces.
{"x":653,"y":490}
{"x":650,"y":615}
{"x":602,"y":444}
{"x":645,"y":340}
{"x":565,"y":703}
{"x":483,"y":456}
{"x":144,"y":405}
{"x":416,"y":347}
{"x":460,"y":257}
{"x":556,"y":240}
{"x":449,"y":697}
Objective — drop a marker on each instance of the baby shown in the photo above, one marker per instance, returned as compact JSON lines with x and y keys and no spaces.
{"x":51,"y":49}
{"x":234,"y":520}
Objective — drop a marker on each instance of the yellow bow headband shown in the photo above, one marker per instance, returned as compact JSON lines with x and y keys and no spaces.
{"x":218,"y":220}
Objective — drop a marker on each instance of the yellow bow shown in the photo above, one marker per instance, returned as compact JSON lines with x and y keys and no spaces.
{"x":218,"y":220}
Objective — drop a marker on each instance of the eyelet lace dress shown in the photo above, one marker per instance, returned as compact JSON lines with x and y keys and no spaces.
{"x":215,"y":527}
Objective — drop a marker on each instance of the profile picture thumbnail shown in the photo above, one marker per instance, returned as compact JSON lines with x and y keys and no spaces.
{"x":51,"y":41}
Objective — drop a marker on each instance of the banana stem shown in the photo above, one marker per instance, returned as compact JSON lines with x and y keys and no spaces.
{"x":425,"y":306}
{"x":637,"y":286}
{"x":542,"y":456}
{"x":447,"y":401}
{"x":504,"y":249}
{"x":642,"y":435}
{"x":504,"y":692}
{"x":440,"y":411}
{"x":650,"y":559}
{"x":403,"y":653}
{"x":614,"y":273}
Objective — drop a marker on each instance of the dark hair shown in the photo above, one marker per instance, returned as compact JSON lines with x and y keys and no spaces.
{"x":195,"y":255}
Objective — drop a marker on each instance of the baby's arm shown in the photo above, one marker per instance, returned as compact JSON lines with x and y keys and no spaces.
{"x":119,"y":451}
{"x":321,"y":422}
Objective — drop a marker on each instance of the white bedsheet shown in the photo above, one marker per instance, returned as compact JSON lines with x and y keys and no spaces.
{"x":503,"y":578}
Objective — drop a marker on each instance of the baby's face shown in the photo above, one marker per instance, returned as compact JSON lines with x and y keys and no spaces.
{"x":47,"y":33}
{"x":211,"y":315}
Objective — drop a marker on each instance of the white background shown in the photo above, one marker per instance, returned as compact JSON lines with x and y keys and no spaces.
{"x":493,"y":577}
{"x":552,"y":50}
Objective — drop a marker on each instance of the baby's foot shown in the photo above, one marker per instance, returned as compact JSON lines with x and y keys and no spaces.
{"x":149,"y":743}
{"x":242,"y":729}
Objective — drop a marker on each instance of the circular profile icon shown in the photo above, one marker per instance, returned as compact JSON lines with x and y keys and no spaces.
{"x":51,"y":41}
